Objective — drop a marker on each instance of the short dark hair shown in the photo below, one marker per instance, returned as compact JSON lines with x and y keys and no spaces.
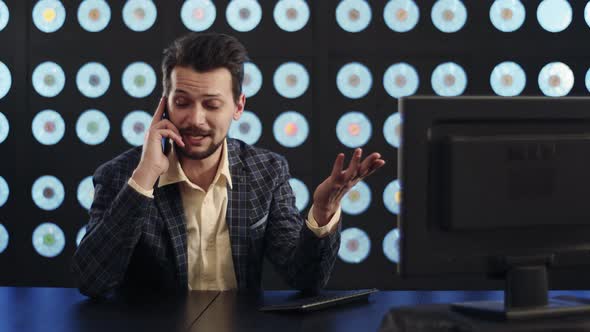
{"x":203,"y":52}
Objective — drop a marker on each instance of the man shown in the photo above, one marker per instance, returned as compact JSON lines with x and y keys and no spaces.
{"x":202,"y":215}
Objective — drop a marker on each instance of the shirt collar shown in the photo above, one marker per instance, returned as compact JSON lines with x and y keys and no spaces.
{"x":175,"y":174}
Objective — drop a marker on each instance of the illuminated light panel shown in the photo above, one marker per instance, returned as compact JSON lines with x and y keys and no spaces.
{"x":290,"y":129}
{"x":48,"y":127}
{"x":248,"y":128}
{"x":355,"y":245}
{"x":48,"y":192}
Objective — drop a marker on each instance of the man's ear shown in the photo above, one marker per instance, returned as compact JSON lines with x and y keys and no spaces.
{"x":240,"y":107}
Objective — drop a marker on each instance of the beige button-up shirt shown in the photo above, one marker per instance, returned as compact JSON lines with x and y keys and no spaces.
{"x":210,"y":264}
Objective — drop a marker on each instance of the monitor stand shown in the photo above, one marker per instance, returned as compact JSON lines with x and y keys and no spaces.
{"x":525,"y":297}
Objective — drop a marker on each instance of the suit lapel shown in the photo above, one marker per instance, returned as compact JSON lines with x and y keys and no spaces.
{"x":169,"y":202}
{"x":237,"y":213}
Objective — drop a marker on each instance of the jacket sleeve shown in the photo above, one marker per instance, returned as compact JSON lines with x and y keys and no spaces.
{"x":302,"y":258}
{"x":100,"y":262}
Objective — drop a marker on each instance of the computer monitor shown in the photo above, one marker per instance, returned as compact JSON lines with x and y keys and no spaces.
{"x":496,"y":187}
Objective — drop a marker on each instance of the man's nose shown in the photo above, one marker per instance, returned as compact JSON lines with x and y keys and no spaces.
{"x":198,"y":116}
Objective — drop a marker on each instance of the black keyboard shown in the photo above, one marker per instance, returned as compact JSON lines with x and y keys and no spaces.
{"x":321,"y":301}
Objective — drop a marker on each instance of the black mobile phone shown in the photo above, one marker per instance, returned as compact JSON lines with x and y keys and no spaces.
{"x":165,"y":140}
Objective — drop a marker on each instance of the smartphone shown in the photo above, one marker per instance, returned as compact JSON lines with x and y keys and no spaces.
{"x":165,"y":140}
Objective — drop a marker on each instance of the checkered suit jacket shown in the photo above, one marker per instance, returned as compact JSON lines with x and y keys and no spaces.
{"x":135,"y":243}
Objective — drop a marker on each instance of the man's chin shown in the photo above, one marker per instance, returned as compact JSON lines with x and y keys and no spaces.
{"x":197,"y":152}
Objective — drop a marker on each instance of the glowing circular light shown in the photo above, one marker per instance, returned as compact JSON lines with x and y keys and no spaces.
{"x":94,"y":15}
{"x":85,"y":192}
{"x":290,"y":129}
{"x":80,"y":235}
{"x":587,"y":80}
{"x":48,"y":240}
{"x":4,"y":237}
{"x":392,"y":197}
{"x":391,"y":245}
{"x":48,"y":127}
{"x":353,"y":15}
{"x":134,"y":127}
{"x":401,"y":80}
{"x":93,"y":79}
{"x":353,"y":129}
{"x":449,"y":79}
{"x":357,"y":200}
{"x":198,"y":15}
{"x":4,"y":15}
{"x":291,"y":15}
{"x":139,"y":15}
{"x":248,"y":128}
{"x":139,"y":79}
{"x":401,"y":15}
{"x":243,"y":15}
{"x":291,"y":80}
{"x":301,"y":193}
{"x":507,"y":15}
{"x":587,"y":13}
{"x":449,"y":15}
{"x":556,"y":79}
{"x":4,"y":127}
{"x":252,"y":79}
{"x":48,"y":192}
{"x":49,"y":15}
{"x":554,"y":15}
{"x":508,"y":79}
{"x":5,"y":80}
{"x":4,"y":191}
{"x":48,"y":79}
{"x":354,"y":80}
{"x":355,"y":245}
{"x":392,"y":129}
{"x":92,"y":127}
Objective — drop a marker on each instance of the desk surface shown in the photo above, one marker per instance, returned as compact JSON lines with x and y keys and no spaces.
{"x":64,"y":309}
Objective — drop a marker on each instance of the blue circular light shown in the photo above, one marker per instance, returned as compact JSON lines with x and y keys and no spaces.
{"x":94,"y":15}
{"x":243,"y":15}
{"x":92,"y":127}
{"x":401,"y":15}
{"x":587,"y":13}
{"x":49,"y":15}
{"x":587,"y":80}
{"x":4,"y":191}
{"x":301,"y":193}
{"x":556,"y":79}
{"x":80,"y":235}
{"x":449,"y":79}
{"x":48,"y":240}
{"x":85,"y":192}
{"x":139,"y":79}
{"x":508,"y":79}
{"x":248,"y":128}
{"x":357,"y":200}
{"x":507,"y":15}
{"x":48,"y":192}
{"x":198,"y":15}
{"x":134,"y":127}
{"x":5,"y":80}
{"x":290,"y":129}
{"x":391,"y":245}
{"x":392,"y":197}
{"x":291,"y":80}
{"x":291,"y":15}
{"x":252,"y":79}
{"x":4,"y":127}
{"x":401,"y":80}
{"x":4,"y":15}
{"x":93,"y":79}
{"x":48,"y":79}
{"x":353,"y":129}
{"x":48,"y":127}
{"x":354,"y":80}
{"x":554,"y":15}
{"x":353,"y":15}
{"x":392,"y":130}
{"x":449,"y":15}
{"x":139,"y":15}
{"x":355,"y":245}
{"x":4,"y":237}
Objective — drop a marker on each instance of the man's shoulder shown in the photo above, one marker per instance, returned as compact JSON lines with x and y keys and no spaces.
{"x":252,"y":156}
{"x":124,"y":163}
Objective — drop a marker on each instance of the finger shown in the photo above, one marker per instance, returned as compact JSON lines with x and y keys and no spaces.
{"x":375,"y":166}
{"x":167,"y":124}
{"x":159,"y":111}
{"x":171,"y":134}
{"x":366,"y":164}
{"x":337,"y":168}
{"x":352,"y":169}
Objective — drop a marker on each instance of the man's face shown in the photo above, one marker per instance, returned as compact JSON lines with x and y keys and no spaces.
{"x":201,"y":106}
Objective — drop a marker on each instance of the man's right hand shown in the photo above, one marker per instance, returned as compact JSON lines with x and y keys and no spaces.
{"x":153,"y":161}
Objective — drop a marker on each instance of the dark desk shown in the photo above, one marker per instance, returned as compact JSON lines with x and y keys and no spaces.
{"x":64,"y":309}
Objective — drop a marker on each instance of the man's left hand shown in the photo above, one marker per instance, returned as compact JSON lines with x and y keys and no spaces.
{"x":327,"y":196}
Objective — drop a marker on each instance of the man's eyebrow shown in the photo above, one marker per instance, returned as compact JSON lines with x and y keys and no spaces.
{"x":209,"y":95}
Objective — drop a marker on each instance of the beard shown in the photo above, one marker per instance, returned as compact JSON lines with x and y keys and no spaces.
{"x":185,"y":152}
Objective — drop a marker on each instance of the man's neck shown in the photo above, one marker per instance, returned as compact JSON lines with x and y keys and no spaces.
{"x":201,"y":172}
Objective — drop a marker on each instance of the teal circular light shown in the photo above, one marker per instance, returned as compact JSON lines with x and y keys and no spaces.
{"x":94,"y":15}
{"x":449,"y":79}
{"x":301,"y":193}
{"x":85,"y":192}
{"x":198,"y":15}
{"x":448,"y":16}
{"x":134,"y":127}
{"x":401,"y":15}
{"x":290,"y":129}
{"x":92,"y":127}
{"x":353,"y":15}
{"x":139,"y":15}
{"x":508,"y":79}
{"x":248,"y":128}
{"x":48,"y":192}
{"x":357,"y":200}
{"x":49,"y":15}
{"x":355,"y":245}
{"x":48,"y":240}
{"x":48,"y":127}
{"x":291,"y":15}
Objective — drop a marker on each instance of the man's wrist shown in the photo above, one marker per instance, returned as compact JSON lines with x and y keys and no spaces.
{"x":144,"y":177}
{"x":323,"y":215}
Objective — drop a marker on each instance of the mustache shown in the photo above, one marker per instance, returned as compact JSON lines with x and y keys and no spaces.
{"x":194,"y":131}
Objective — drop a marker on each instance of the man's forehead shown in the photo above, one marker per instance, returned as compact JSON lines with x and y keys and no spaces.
{"x":219,"y":78}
